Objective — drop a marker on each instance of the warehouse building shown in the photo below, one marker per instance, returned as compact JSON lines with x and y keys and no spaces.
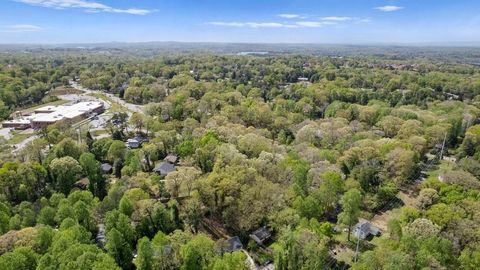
{"x":48,"y":115}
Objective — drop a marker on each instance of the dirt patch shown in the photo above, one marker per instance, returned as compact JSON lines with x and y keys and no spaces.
{"x":409,"y":199}
{"x":381,"y":220}
{"x":342,"y":253}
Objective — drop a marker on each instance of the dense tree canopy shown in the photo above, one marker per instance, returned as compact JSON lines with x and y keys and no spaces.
{"x":389,"y":138}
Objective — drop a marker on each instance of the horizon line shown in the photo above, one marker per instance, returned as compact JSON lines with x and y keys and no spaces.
{"x":405,"y":44}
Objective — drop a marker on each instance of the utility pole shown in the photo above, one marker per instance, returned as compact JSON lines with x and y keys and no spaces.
{"x":443,"y":146}
{"x":356,"y":249}
{"x":79,"y":138}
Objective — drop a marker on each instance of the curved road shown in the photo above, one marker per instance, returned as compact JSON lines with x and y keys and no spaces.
{"x":130,"y":106}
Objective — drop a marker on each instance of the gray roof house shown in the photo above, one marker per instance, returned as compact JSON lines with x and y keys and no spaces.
{"x":133,"y":143}
{"x":364,"y":229}
{"x":164,"y":168}
{"x":234,"y":244}
{"x":261,"y":235}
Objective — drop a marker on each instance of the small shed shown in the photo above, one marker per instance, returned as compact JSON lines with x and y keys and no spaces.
{"x":261,"y":235}
{"x":234,"y":244}
{"x":106,"y":168}
{"x":364,"y":229}
{"x":164,"y":168}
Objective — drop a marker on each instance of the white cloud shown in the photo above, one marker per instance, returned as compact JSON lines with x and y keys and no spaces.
{"x":364,"y":20}
{"x":313,"y":24}
{"x":18,"y":28}
{"x":298,"y":24}
{"x":251,"y":24}
{"x":87,"y":6}
{"x":389,"y":8}
{"x":265,"y":24}
{"x":288,"y":16}
{"x":337,"y":19}
{"x":236,"y":24}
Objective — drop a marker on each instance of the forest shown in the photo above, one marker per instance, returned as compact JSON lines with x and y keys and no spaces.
{"x":299,"y":147}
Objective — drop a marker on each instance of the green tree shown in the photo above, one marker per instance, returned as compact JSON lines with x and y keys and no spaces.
{"x":91,"y":167}
{"x":116,"y":151}
{"x":231,"y":261}
{"x":67,"y":147}
{"x":301,"y":249}
{"x":137,"y":121}
{"x":19,"y":259}
{"x":65,"y":171}
{"x":470,"y":258}
{"x":119,"y":249}
{"x":350,"y":203}
{"x":47,"y":216}
{"x":144,"y":260}
{"x":198,"y":253}
{"x":192,"y":212}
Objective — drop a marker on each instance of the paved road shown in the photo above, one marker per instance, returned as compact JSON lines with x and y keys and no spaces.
{"x":130,"y":106}
{"x":5,"y":132}
{"x":19,"y":146}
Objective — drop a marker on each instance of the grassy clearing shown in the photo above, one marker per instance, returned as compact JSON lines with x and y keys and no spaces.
{"x":18,"y":138}
{"x":442,"y":167}
{"x":64,"y":90}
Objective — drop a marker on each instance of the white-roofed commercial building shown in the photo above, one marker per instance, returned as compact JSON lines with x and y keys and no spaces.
{"x":48,"y":115}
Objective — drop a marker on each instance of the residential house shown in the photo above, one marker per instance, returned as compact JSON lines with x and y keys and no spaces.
{"x":133,"y":143}
{"x":234,"y":244}
{"x":364,"y":229}
{"x":164,"y":168}
{"x":261,"y":235}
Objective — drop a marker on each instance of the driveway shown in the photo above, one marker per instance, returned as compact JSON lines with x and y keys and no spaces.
{"x":5,"y":133}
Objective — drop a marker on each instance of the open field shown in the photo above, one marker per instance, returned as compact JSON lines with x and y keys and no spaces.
{"x":64,"y":90}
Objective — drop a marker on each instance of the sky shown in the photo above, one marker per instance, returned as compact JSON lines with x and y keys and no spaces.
{"x":249,"y":21}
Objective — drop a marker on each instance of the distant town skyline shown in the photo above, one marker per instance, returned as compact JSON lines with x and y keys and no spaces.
{"x":249,"y":21}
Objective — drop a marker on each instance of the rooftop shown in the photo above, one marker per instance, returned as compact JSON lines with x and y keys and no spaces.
{"x":364,"y":228}
{"x":106,"y":167}
{"x":234,"y":244}
{"x":171,"y":158}
{"x":261,"y":235}
{"x":52,"y":114}
{"x":164,"y":168}
{"x":65,"y":111}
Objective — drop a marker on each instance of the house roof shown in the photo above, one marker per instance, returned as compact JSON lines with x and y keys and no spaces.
{"x":171,"y":158}
{"x":141,"y":138}
{"x":234,"y":244}
{"x":133,"y":143}
{"x":260,"y":235}
{"x":106,"y":167}
{"x":364,"y":228}
{"x":164,"y":168}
